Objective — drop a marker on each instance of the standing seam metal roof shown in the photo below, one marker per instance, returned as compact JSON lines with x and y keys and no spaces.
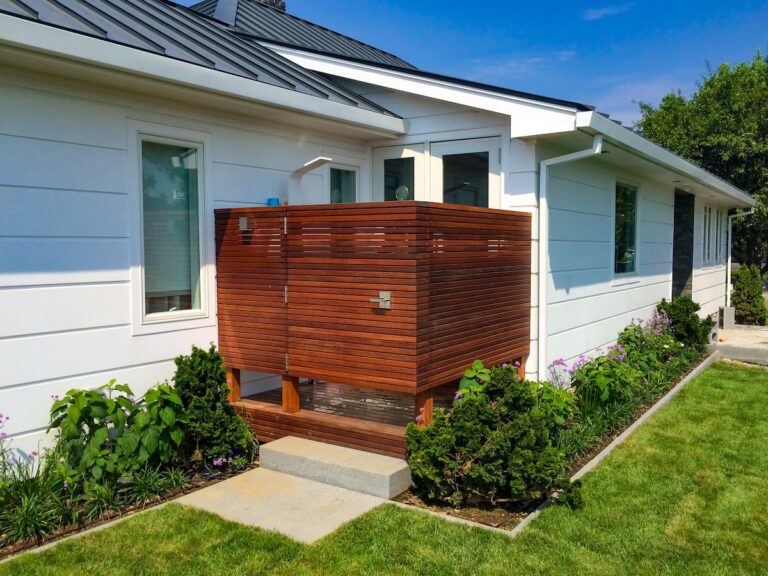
{"x":270,"y":24}
{"x":178,"y":32}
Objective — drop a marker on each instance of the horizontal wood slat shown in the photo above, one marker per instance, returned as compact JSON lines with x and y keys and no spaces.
{"x":459,"y":279}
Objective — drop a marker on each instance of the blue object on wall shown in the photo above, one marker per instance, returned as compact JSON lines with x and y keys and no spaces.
{"x":273,"y":201}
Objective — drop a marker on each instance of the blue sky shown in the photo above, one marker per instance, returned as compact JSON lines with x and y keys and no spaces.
{"x":601,"y":53}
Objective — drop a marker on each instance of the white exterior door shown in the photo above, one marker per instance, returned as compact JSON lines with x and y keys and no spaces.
{"x":466,"y":172}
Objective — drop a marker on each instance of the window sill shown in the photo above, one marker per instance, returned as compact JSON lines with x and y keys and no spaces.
{"x":173,"y":324}
{"x":625,"y":279}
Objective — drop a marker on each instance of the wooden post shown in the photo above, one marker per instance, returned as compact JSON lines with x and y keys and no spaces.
{"x":521,"y":368}
{"x":424,"y":408}
{"x":233,"y":383}
{"x":291,"y":396}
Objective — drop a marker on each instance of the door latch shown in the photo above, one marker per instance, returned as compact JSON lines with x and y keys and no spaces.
{"x":384,"y":300}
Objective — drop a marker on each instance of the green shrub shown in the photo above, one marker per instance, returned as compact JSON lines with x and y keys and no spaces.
{"x":101,"y":499}
{"x":216,"y":431}
{"x":748,"y":296}
{"x":686,"y":326}
{"x":31,"y":519}
{"x":605,"y":380}
{"x":106,"y":433}
{"x":495,"y":444}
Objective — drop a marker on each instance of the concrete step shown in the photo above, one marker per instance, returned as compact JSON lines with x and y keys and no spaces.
{"x":374,"y":474}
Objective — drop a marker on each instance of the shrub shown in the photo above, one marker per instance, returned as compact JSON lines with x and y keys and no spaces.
{"x":495,"y":444}
{"x":605,"y":380}
{"x":686,"y":326}
{"x":748,"y":296}
{"x":106,"y":433}
{"x":216,"y":431}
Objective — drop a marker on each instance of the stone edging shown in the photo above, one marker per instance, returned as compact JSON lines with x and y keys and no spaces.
{"x":592,"y":464}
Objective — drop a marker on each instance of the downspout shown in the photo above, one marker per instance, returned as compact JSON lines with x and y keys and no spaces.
{"x":730,"y":249}
{"x":595,"y":150}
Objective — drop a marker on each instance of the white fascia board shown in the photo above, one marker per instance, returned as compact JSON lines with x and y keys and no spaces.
{"x":53,"y":41}
{"x":655,"y":153}
{"x":529,"y":117}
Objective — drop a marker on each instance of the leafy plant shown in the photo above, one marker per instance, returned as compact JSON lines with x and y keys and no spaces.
{"x":106,"y":433}
{"x":604,"y":380}
{"x":685,"y":324}
{"x":748,"y":296}
{"x":31,"y":519}
{"x":215,"y":430}
{"x":495,"y":444}
{"x":147,"y":484}
{"x":176,"y":478}
{"x":101,"y":499}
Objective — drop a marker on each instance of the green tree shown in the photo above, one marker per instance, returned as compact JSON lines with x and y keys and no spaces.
{"x":723,"y":127}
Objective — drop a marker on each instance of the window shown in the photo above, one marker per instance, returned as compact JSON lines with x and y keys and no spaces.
{"x":171,"y":226}
{"x":719,"y":234}
{"x":713,"y":235}
{"x":398,"y":178}
{"x":625,"y":230}
{"x":465,"y":179}
{"x":343,"y":185}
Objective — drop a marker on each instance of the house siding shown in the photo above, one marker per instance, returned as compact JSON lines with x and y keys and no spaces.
{"x":709,"y":279}
{"x":66,"y":234}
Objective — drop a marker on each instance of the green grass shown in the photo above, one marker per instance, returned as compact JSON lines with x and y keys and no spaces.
{"x":687,"y":494}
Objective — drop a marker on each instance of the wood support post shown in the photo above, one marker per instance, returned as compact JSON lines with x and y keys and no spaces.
{"x":291,"y":396}
{"x":233,"y":383}
{"x":424,"y":408}
{"x":521,"y":368}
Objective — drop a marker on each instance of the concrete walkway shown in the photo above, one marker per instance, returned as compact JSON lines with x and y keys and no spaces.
{"x":302,"y":509}
{"x":745,"y":343}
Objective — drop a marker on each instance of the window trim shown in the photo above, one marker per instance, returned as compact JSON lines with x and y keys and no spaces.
{"x":491,"y":145}
{"x":347,"y":168}
{"x":621,"y":278}
{"x":420,"y":176}
{"x":142,"y":323}
{"x":712,"y":236}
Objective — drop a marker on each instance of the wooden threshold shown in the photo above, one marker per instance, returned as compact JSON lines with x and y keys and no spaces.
{"x":269,"y":422}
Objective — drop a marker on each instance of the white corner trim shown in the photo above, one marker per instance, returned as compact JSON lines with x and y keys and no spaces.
{"x":36,"y":37}
{"x":644,"y":148}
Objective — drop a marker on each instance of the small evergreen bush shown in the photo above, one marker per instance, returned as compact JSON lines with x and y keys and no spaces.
{"x":748,"y":296}
{"x":495,"y":444}
{"x":685,"y":324}
{"x":215,"y":433}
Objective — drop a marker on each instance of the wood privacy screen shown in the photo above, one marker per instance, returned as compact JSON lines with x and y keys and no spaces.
{"x":295,"y":286}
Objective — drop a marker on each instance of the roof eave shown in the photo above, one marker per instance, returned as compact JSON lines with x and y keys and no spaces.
{"x":45,"y":39}
{"x":653,"y":152}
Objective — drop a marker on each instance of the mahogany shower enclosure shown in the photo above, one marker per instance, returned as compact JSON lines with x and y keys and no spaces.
{"x":397,"y":298}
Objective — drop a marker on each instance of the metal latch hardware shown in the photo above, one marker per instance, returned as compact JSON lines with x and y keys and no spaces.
{"x":384,"y":300}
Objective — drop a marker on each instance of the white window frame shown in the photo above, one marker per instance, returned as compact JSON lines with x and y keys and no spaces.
{"x":205,"y":316}
{"x":490,"y":145}
{"x":707,"y":254}
{"x":347,"y":168}
{"x":420,"y":177}
{"x":621,"y":278}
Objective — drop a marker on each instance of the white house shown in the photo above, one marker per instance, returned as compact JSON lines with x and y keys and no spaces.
{"x":105,"y":103}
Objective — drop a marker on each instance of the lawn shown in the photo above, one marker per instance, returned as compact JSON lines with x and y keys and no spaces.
{"x":687,"y":494}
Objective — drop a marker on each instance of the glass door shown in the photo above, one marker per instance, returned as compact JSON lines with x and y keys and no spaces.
{"x":398,"y":173}
{"x":466,"y":172}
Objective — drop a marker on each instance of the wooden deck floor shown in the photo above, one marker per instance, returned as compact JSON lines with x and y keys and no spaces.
{"x":360,"y":403}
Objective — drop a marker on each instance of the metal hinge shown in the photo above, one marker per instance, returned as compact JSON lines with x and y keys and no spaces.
{"x":286,"y":294}
{"x":285,"y":224}
{"x":384,"y":300}
{"x":286,"y":361}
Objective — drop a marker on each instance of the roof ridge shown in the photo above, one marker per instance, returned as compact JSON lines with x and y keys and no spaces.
{"x":310,"y":23}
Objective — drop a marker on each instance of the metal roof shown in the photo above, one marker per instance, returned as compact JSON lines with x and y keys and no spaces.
{"x":177,"y":32}
{"x":273,"y":25}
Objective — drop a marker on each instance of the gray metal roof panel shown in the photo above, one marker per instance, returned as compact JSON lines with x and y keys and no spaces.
{"x":270,"y":24}
{"x":177,"y":32}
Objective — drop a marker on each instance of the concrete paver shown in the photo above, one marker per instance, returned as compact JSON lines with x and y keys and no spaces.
{"x":302,"y":509}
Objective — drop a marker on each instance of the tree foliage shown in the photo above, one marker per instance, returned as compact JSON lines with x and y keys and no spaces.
{"x":748,"y":296}
{"x":723,"y":127}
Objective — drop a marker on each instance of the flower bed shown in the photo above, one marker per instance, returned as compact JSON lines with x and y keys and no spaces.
{"x":115,"y":454}
{"x":506,"y":445}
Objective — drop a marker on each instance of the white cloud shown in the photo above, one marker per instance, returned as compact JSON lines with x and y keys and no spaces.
{"x":592,"y":14}
{"x":622,"y":95}
{"x":519,"y":66}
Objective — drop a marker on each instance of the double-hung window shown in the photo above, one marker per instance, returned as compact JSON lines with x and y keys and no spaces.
{"x":171,"y":224}
{"x":625,"y":230}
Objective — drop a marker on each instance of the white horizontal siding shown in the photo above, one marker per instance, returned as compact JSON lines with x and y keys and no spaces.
{"x":65,"y":231}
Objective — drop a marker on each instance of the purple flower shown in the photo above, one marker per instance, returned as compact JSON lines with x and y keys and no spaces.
{"x":458,"y":395}
{"x":516,"y":364}
{"x":33,"y":454}
{"x":419,"y":419}
{"x":504,"y":365}
{"x":66,"y":485}
{"x":219,"y":462}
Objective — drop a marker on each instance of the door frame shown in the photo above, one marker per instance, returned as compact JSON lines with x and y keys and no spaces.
{"x":490,"y":145}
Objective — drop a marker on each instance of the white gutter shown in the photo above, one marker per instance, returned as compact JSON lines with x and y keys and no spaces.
{"x":595,"y":150}
{"x":35,"y":37}
{"x":730,"y":257}
{"x":636,"y":144}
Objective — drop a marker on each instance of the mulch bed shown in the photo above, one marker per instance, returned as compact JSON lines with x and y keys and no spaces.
{"x":196,"y":483}
{"x":507,"y":517}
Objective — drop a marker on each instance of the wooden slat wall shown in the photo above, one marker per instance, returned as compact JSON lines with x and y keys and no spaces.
{"x":459,"y":277}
